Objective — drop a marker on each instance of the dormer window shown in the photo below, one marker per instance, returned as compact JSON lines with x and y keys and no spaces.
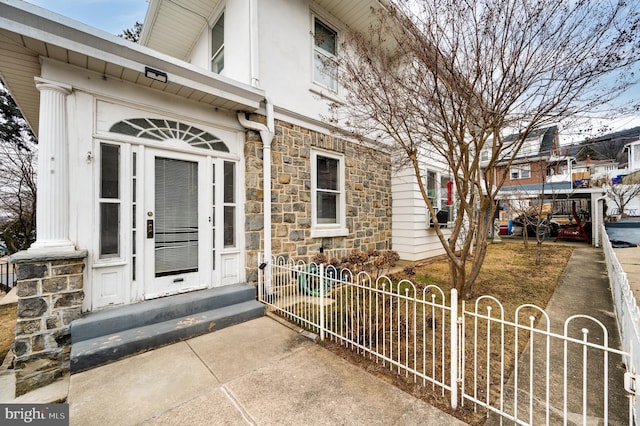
{"x":217,"y":46}
{"x":324,"y":55}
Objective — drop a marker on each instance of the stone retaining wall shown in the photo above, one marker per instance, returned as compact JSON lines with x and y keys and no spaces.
{"x":50,"y":295}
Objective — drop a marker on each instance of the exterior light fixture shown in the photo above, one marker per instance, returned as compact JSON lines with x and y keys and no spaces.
{"x":157,"y":75}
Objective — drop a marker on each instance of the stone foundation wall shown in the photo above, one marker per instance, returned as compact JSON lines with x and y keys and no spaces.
{"x":368,"y":195}
{"x":50,"y":295}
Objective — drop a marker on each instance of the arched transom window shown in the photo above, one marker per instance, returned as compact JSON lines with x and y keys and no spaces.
{"x":160,"y":130}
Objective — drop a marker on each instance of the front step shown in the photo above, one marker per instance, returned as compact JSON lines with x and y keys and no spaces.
{"x":107,"y":336}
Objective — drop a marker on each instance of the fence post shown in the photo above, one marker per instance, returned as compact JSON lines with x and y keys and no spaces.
{"x":260,"y":277}
{"x":454,"y":348}
{"x":321,"y":279}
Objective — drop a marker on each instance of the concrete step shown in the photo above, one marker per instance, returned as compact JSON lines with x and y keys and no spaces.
{"x":158,"y":310}
{"x":108,"y":336}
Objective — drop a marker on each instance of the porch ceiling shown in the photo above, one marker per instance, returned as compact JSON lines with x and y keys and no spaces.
{"x":29,"y":33}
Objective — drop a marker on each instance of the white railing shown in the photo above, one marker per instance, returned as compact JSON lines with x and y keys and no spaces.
{"x":405,"y":329}
{"x":561,"y":371}
{"x":626,"y":309}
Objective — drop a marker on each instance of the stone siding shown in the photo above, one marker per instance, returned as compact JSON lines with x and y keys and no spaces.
{"x":368,"y":195}
{"x":50,"y":294}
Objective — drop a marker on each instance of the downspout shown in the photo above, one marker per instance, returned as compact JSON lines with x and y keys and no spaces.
{"x":253,"y":44}
{"x":266,"y":134}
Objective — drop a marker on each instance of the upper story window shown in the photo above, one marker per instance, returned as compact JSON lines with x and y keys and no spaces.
{"x":327,"y":195}
{"x":217,"y":46}
{"x":520,"y":172}
{"x":325,"y":66}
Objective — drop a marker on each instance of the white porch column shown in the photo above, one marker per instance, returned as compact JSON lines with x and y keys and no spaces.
{"x":52,"y":214}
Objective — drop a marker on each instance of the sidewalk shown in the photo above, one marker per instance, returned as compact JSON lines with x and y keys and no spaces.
{"x":258,"y":373}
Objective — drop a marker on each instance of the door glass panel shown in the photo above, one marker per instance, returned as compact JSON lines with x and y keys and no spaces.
{"x":109,"y":201}
{"x":109,"y":229}
{"x":213,"y":218}
{"x":229,"y":211}
{"x":176,"y":217}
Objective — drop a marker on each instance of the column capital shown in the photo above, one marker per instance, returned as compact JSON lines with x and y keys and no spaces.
{"x":44,"y":84}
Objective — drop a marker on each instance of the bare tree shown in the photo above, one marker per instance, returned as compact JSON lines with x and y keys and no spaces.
{"x":17,"y":176}
{"x":444,"y":79}
{"x":17,"y":195}
{"x":133,"y":33}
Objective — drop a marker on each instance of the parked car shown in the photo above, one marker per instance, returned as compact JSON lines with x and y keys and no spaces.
{"x":547,"y":227}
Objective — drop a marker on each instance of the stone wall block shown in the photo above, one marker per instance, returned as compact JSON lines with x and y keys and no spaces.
{"x":53,"y":322}
{"x":32,"y":307}
{"x":30,"y":326}
{"x":76,"y":282}
{"x":55,"y":285}
{"x":29,"y":271}
{"x":67,"y":269}
{"x":27,"y":288}
{"x":70,"y":314}
{"x":21,"y":346}
{"x":38,"y":343}
{"x":65,"y":300}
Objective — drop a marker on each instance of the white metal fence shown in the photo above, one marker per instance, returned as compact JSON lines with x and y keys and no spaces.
{"x":627,"y":313}
{"x":561,"y":371}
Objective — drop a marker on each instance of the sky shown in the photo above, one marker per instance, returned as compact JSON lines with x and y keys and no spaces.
{"x":114,"y":16}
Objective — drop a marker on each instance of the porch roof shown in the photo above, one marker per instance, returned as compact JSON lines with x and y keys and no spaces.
{"x":29,"y":33}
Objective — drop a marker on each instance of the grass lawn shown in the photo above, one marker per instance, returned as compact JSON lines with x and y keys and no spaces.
{"x":7,"y":329}
{"x":510,"y":275}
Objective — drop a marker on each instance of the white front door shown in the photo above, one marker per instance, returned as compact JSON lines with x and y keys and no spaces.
{"x":177,"y":242}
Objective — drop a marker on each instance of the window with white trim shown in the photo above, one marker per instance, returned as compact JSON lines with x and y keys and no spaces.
{"x":327,"y":194}
{"x":325,"y":67}
{"x":522,"y":171}
{"x":437,"y":186}
{"x":217,"y":46}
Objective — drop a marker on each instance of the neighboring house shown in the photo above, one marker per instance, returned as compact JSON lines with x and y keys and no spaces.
{"x":632,"y":150}
{"x":153,"y":157}
{"x":539,"y":164}
{"x":589,"y":172}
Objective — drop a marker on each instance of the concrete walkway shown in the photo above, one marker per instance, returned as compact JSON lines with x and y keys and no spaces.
{"x":260,"y":372}
{"x":583,"y":290}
